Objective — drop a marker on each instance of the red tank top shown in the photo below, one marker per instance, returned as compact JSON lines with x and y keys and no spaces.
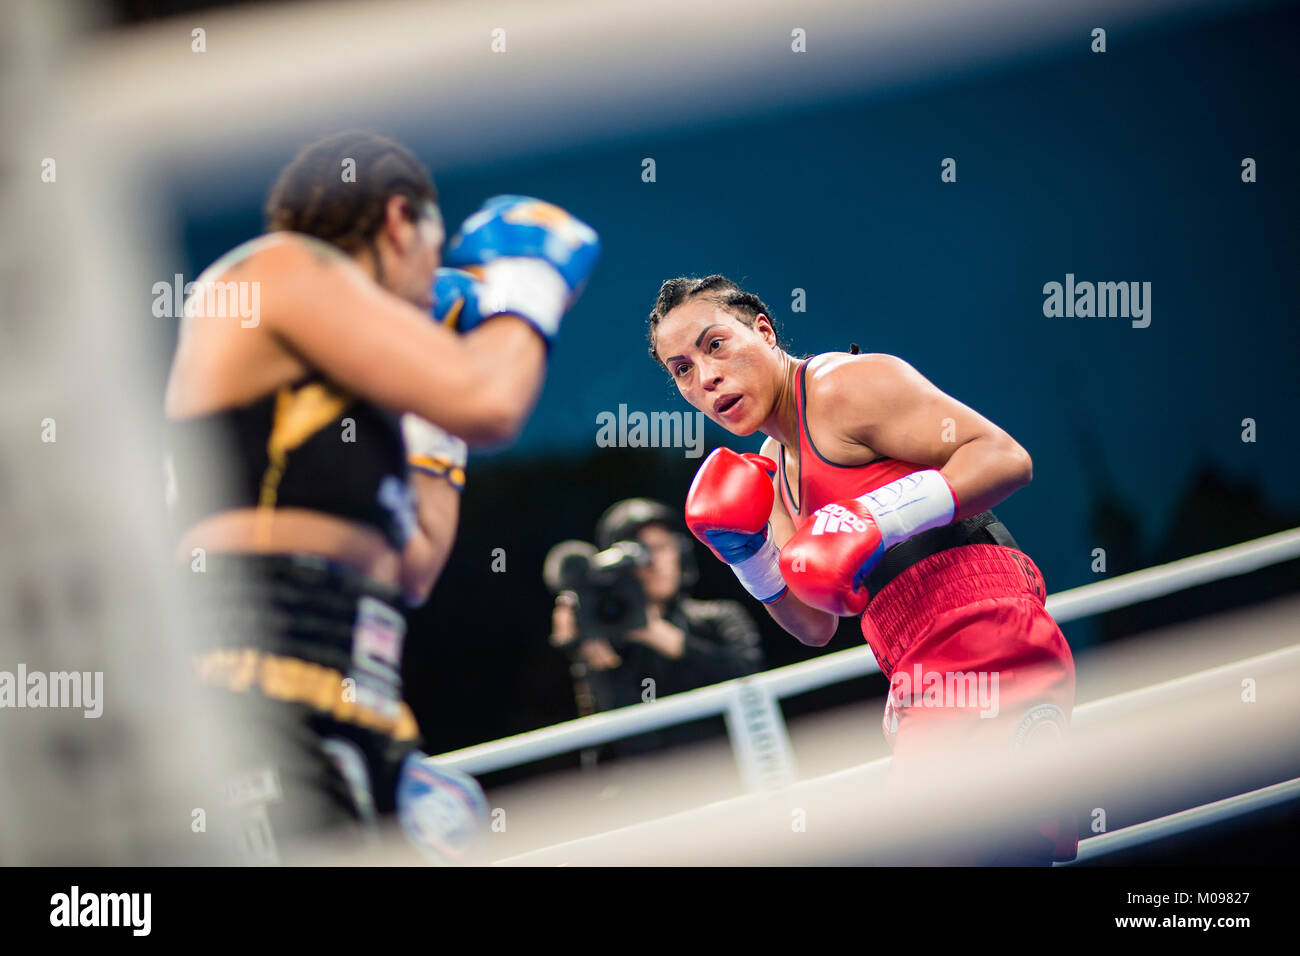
{"x":905,"y":608}
{"x":822,"y":481}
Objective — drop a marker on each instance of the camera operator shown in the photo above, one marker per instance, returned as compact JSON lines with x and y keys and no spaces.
{"x":625,"y":618}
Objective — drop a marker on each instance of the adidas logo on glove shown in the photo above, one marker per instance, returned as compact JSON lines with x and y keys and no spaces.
{"x":833,"y":518}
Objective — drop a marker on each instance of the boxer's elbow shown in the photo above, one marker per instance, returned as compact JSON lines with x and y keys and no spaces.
{"x":499,"y":416}
{"x":816,"y":628}
{"x":1024,"y":467}
{"x":1017,"y":467}
{"x":808,"y":625}
{"x":819,"y":638}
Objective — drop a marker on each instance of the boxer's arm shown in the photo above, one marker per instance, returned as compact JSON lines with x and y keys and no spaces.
{"x":436,"y":466}
{"x":425,"y":555}
{"x":885,"y":404}
{"x":481,"y":386}
{"x":809,"y":625}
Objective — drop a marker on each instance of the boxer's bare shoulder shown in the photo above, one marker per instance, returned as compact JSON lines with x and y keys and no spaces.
{"x":273,"y":251}
{"x":837,"y":377}
{"x":848,"y":395}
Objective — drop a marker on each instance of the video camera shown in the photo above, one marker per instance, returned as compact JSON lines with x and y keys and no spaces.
{"x":610,"y":599}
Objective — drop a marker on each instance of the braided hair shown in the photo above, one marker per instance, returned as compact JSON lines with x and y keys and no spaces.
{"x":745,"y":306}
{"x":313,"y":197}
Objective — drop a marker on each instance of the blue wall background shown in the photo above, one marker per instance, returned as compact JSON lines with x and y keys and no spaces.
{"x":1122,"y":166}
{"x":1116,"y":167}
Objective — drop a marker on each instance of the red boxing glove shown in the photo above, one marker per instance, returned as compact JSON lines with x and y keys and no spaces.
{"x":730,"y":502}
{"x":728,"y":508}
{"x":826,"y":562}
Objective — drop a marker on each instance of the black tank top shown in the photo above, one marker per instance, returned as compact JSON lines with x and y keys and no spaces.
{"x":307,"y":445}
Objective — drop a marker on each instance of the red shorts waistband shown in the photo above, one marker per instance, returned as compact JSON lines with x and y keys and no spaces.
{"x":899,"y":615}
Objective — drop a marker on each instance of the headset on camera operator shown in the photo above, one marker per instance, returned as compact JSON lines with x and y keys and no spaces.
{"x":623,"y":616}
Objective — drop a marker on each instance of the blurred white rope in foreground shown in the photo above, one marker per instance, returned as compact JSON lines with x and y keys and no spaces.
{"x":845,"y":665}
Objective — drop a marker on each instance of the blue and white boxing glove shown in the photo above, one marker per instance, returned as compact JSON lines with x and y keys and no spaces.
{"x":429,"y":448}
{"x":442,"y":811}
{"x":432,"y":450}
{"x":456,"y":299}
{"x":532,"y":258}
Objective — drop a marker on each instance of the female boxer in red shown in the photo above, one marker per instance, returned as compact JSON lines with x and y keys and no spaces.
{"x":881,"y":508}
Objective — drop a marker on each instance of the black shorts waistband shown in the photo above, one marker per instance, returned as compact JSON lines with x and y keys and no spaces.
{"x":295,"y":605}
{"x":983,"y":528}
{"x":306,"y":632}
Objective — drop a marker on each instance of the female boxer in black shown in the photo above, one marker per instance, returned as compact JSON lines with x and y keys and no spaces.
{"x":318,"y":532}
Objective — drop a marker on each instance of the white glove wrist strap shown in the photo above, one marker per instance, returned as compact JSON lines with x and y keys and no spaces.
{"x":912,"y":504}
{"x":532,"y":289}
{"x":424,"y":439}
{"x":760,"y":573}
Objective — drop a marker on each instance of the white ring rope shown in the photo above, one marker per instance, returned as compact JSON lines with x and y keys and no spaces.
{"x":845,"y":665}
{"x":1090,"y":714}
{"x":1175,"y":576}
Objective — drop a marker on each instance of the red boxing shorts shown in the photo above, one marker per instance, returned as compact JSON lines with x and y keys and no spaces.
{"x":975,"y":660}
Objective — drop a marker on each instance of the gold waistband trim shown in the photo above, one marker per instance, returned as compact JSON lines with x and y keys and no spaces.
{"x":297,"y":681}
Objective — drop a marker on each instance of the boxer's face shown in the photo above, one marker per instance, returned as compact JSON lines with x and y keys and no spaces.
{"x":414,"y":251}
{"x":662,"y":577}
{"x":723,"y":367}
